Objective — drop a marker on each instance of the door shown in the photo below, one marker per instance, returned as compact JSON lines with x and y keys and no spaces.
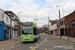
{"x":1,"y":30}
{"x":62,"y":31}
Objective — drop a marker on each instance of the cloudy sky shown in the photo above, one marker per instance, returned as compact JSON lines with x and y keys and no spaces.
{"x":28,"y":10}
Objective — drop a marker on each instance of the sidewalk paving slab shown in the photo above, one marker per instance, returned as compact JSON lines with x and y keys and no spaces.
{"x":8,"y":42}
{"x":71,"y":39}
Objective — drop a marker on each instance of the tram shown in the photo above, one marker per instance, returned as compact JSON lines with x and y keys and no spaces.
{"x":29,"y":32}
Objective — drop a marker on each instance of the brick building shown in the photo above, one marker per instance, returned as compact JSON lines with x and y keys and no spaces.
{"x":70,"y":22}
{"x":68,"y":25}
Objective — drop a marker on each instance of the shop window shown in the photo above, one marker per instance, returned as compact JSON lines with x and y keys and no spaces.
{"x":74,"y":26}
{"x":34,"y":31}
{"x":6,"y":19}
{"x":6,"y":31}
{"x":2,"y":17}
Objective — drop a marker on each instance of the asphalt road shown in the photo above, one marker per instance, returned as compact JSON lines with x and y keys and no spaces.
{"x":45,"y":42}
{"x":28,"y":45}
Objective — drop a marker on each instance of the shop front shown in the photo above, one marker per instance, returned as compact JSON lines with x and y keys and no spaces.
{"x":73,"y":28}
{"x":53,"y":29}
{"x":2,"y":36}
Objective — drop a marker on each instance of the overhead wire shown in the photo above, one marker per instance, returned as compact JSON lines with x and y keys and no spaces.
{"x":40,"y":6}
{"x":62,"y":4}
{"x":50,"y":14}
{"x":56,"y":9}
{"x":24,"y":6}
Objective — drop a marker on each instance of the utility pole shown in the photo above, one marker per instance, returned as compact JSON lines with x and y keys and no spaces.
{"x":48,"y":24}
{"x":67,"y":30}
{"x":59,"y":23}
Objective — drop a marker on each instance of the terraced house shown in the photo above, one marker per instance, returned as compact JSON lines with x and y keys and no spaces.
{"x":9,"y":24}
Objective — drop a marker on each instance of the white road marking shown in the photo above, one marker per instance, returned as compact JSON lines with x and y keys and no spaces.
{"x":40,"y":42}
{"x":36,"y":44}
{"x":34,"y":49}
{"x":31,"y":47}
{"x":44,"y":37}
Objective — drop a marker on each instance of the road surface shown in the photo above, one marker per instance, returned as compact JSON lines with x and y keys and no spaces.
{"x":45,"y":42}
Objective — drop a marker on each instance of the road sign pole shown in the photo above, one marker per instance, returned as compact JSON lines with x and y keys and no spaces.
{"x":67,"y":31}
{"x":48,"y":24}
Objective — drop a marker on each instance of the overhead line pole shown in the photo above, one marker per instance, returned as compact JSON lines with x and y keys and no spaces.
{"x":59,"y":23}
{"x":48,"y":24}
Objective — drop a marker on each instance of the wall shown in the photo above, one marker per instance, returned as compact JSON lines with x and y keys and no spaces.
{"x":8,"y":19}
{"x":1,"y":12}
{"x":70,"y":18}
{"x":53,"y":27}
{"x":1,"y":15}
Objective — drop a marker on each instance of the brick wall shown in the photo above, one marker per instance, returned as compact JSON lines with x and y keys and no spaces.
{"x":69,"y":18}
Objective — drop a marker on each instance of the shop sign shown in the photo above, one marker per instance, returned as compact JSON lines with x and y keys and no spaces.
{"x":73,"y":22}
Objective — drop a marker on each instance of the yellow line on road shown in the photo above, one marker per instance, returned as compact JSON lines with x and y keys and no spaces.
{"x":67,"y":44}
{"x":41,"y":48}
{"x":47,"y":45}
{"x":37,"y":46}
{"x":52,"y":48}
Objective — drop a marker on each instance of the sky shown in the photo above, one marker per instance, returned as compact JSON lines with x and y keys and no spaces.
{"x":29,"y":10}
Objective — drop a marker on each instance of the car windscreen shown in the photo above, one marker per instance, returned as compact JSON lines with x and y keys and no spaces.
{"x":26,"y":29}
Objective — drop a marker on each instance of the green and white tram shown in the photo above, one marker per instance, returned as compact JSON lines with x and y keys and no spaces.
{"x":29,"y":32}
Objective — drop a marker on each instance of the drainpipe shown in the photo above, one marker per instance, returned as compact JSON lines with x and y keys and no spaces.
{"x":10,"y":23}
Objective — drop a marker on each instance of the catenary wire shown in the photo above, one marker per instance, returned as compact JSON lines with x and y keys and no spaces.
{"x":40,"y":7}
{"x":24,"y":7}
{"x":55,"y":10}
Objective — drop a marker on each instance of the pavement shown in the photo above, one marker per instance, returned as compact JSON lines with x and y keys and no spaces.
{"x":10,"y":42}
{"x":71,"y":39}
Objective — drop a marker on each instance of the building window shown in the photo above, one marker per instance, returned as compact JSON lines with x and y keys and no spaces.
{"x":6,"y":19}
{"x":2,"y":17}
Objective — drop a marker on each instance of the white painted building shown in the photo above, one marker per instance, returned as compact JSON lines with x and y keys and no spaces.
{"x":11,"y":21}
{"x":14,"y":23}
{"x":53,"y":29}
{"x":6,"y":19}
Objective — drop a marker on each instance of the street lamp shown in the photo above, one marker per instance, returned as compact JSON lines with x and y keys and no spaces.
{"x":63,"y":18}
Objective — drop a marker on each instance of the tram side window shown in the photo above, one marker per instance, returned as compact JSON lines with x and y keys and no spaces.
{"x":37,"y":31}
{"x":34,"y":31}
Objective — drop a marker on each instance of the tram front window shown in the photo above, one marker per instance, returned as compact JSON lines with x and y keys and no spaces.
{"x":26,"y":29}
